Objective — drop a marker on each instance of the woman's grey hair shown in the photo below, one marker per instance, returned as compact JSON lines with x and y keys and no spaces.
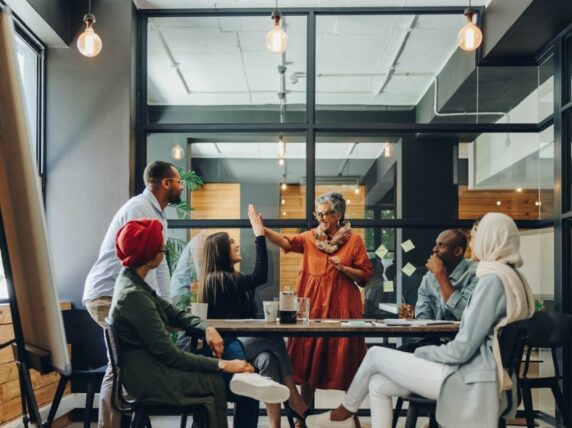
{"x":335,"y":199}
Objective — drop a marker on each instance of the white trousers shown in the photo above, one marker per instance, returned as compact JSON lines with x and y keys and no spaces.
{"x":387,"y":373}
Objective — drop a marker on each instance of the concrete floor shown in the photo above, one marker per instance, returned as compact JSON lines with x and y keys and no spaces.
{"x":543,"y":400}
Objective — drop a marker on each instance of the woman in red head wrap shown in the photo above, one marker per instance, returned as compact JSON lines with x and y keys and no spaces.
{"x":154,"y":368}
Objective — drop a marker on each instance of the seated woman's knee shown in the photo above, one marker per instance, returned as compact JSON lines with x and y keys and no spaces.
{"x":267,"y":365}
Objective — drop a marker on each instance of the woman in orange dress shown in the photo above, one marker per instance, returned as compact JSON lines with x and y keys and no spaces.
{"x":334,"y":261}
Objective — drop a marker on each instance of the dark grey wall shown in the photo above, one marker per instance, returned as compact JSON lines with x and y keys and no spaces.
{"x":428,"y":191}
{"x":88,"y":144}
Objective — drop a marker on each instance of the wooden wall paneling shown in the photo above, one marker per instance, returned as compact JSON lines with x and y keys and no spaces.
{"x":44,"y":385}
{"x":518,"y":205}
{"x":217,"y":201}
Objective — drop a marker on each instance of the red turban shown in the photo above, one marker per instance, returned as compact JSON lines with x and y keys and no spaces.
{"x":139,"y":241}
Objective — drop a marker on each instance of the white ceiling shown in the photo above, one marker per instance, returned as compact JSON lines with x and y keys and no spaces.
{"x":223,"y":4}
{"x":223,"y":60}
{"x":293,"y":150}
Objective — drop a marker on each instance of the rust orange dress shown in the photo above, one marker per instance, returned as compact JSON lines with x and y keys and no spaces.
{"x":328,"y":363}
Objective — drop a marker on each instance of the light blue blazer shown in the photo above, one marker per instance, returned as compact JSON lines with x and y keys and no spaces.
{"x":469,"y":395}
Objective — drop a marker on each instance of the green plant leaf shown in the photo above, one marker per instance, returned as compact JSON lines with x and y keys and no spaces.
{"x":193,"y":182}
{"x":174,"y":249}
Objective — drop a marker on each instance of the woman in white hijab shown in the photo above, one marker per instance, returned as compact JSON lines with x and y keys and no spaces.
{"x":465,"y":376}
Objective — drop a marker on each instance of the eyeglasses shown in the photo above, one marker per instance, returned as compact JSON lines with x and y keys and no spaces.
{"x":178,"y":180}
{"x":322,"y":214}
{"x":164,"y":250}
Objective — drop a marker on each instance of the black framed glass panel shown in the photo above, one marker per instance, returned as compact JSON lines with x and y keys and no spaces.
{"x":512,"y":173}
{"x":27,"y":58}
{"x":364,"y":168}
{"x":398,"y":258}
{"x":568,"y":69}
{"x":568,"y":135}
{"x":262,"y":168}
{"x":546,"y":88}
{"x":378,"y":68}
{"x":217,"y":69}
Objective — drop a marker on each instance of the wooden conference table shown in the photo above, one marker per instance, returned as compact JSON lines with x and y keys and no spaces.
{"x":330,"y":328}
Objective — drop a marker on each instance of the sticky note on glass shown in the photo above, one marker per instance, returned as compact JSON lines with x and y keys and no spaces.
{"x":408,"y":269}
{"x":388,"y":286}
{"x":408,"y":245}
{"x":381,"y":251}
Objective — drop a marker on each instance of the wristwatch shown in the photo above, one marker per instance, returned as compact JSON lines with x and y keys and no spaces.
{"x":220,"y":365}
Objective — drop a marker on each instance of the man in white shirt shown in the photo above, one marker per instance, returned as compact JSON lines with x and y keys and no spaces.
{"x":163,"y":186}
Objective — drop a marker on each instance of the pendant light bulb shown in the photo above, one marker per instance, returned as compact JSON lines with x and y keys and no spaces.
{"x":276,"y":39}
{"x":177,"y":152}
{"x":89,"y":43}
{"x":387,"y":150}
{"x":470,"y":36}
{"x":283,"y":186}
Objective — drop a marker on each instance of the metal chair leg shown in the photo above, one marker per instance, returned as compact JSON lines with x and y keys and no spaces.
{"x":139,"y":419}
{"x":528,"y":407}
{"x":559,"y":398}
{"x":89,"y":397}
{"x":397,"y":411}
{"x":432,"y":420}
{"x":412,"y":414}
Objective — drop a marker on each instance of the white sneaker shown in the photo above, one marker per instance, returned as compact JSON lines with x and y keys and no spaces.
{"x":323,"y":421}
{"x":259,"y":387}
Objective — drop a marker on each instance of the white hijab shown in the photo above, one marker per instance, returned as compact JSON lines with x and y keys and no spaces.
{"x":496,"y":245}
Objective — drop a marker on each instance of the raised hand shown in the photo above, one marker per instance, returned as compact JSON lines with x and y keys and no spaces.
{"x":255,"y":221}
{"x":435,"y":264}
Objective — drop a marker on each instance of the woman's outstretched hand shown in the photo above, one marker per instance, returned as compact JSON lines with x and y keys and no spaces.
{"x":255,"y":221}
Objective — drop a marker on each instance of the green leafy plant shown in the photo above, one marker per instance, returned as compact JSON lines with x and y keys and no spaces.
{"x":193,"y":182}
{"x":175,"y":245}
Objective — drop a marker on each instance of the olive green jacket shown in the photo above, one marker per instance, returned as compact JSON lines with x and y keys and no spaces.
{"x":154,"y":368}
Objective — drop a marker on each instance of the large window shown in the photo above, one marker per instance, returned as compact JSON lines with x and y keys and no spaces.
{"x":30,"y":60}
{"x":379,"y":105}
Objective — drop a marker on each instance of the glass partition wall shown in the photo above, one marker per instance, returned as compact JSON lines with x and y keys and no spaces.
{"x":379,"y":105}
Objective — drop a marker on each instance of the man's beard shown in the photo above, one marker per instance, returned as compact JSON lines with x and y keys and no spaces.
{"x":175,"y":199}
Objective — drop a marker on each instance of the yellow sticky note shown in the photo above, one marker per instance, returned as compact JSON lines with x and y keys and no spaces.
{"x":408,"y":245}
{"x":388,"y":286}
{"x":408,"y":269}
{"x":381,"y":251}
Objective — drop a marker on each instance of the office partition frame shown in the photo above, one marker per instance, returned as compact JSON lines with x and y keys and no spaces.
{"x":561,"y":220}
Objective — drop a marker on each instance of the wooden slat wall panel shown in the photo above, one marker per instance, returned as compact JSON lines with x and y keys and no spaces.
{"x":518,"y":205}
{"x":44,"y":385}
{"x":293,"y":206}
{"x":217,"y":201}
